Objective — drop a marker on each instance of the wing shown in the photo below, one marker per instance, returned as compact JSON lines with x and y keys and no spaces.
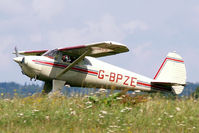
{"x":39,"y":52}
{"x":96,"y":49}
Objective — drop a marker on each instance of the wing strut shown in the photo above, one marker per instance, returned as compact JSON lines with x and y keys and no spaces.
{"x":73,"y":64}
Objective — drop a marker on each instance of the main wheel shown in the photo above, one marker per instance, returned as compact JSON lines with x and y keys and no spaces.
{"x":47,"y":87}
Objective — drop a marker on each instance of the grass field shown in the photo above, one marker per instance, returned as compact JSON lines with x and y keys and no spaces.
{"x":79,"y":115}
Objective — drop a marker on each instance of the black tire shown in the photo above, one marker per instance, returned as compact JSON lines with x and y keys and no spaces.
{"x":47,"y":87}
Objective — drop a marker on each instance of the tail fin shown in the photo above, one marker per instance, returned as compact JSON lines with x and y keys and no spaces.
{"x":172,"y":72}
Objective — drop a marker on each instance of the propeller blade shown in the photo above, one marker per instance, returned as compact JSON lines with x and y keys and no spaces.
{"x":16,"y":52}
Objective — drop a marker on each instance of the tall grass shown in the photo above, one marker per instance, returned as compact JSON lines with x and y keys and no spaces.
{"x":78,"y":114}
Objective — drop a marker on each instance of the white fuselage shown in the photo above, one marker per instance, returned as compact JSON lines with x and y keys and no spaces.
{"x":90,"y":72}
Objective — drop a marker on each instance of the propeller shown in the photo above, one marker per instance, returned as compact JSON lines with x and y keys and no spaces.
{"x":16,"y":52}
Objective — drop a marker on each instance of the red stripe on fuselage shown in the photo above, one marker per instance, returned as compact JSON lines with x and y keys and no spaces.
{"x":144,"y":84}
{"x":64,"y":66}
{"x":181,"y":61}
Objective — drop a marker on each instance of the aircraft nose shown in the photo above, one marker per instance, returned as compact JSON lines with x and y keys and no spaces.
{"x":18,"y":59}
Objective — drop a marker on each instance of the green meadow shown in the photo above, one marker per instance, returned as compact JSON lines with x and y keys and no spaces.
{"x":56,"y":114}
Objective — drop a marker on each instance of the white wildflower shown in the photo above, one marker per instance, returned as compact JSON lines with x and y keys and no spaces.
{"x":113,"y":126}
{"x":165,"y":113}
{"x":128,"y":109}
{"x":71,"y":103}
{"x":88,"y":103}
{"x":178,"y":109}
{"x":104,"y":112}
{"x":35,"y":110}
{"x":122,"y":111}
{"x":88,"y":107}
{"x":119,"y":98}
{"x":171,"y":116}
{"x":47,"y":117}
{"x":181,"y":124}
{"x":110,"y":131}
{"x":73,"y":113}
{"x":7,"y":100}
{"x":101,"y":116}
{"x":125,"y":109}
{"x":21,"y":114}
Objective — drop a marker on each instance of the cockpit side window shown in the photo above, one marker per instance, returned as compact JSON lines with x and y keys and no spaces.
{"x":71,"y":59}
{"x":52,"y":54}
{"x":59,"y":56}
{"x":66,"y":58}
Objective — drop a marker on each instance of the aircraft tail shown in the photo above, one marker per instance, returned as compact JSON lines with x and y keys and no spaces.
{"x":172,"y":73}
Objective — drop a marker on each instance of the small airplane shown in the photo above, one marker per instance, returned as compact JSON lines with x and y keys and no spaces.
{"x":77,"y":66}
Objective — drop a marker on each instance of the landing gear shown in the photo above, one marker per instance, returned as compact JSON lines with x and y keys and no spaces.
{"x":53,"y":86}
{"x":47,"y":87}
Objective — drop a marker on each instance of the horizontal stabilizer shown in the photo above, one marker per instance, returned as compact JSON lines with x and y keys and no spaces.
{"x":168,"y":86}
{"x":165,"y":83}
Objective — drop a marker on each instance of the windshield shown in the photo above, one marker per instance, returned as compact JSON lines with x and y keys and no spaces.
{"x":51,"y":53}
